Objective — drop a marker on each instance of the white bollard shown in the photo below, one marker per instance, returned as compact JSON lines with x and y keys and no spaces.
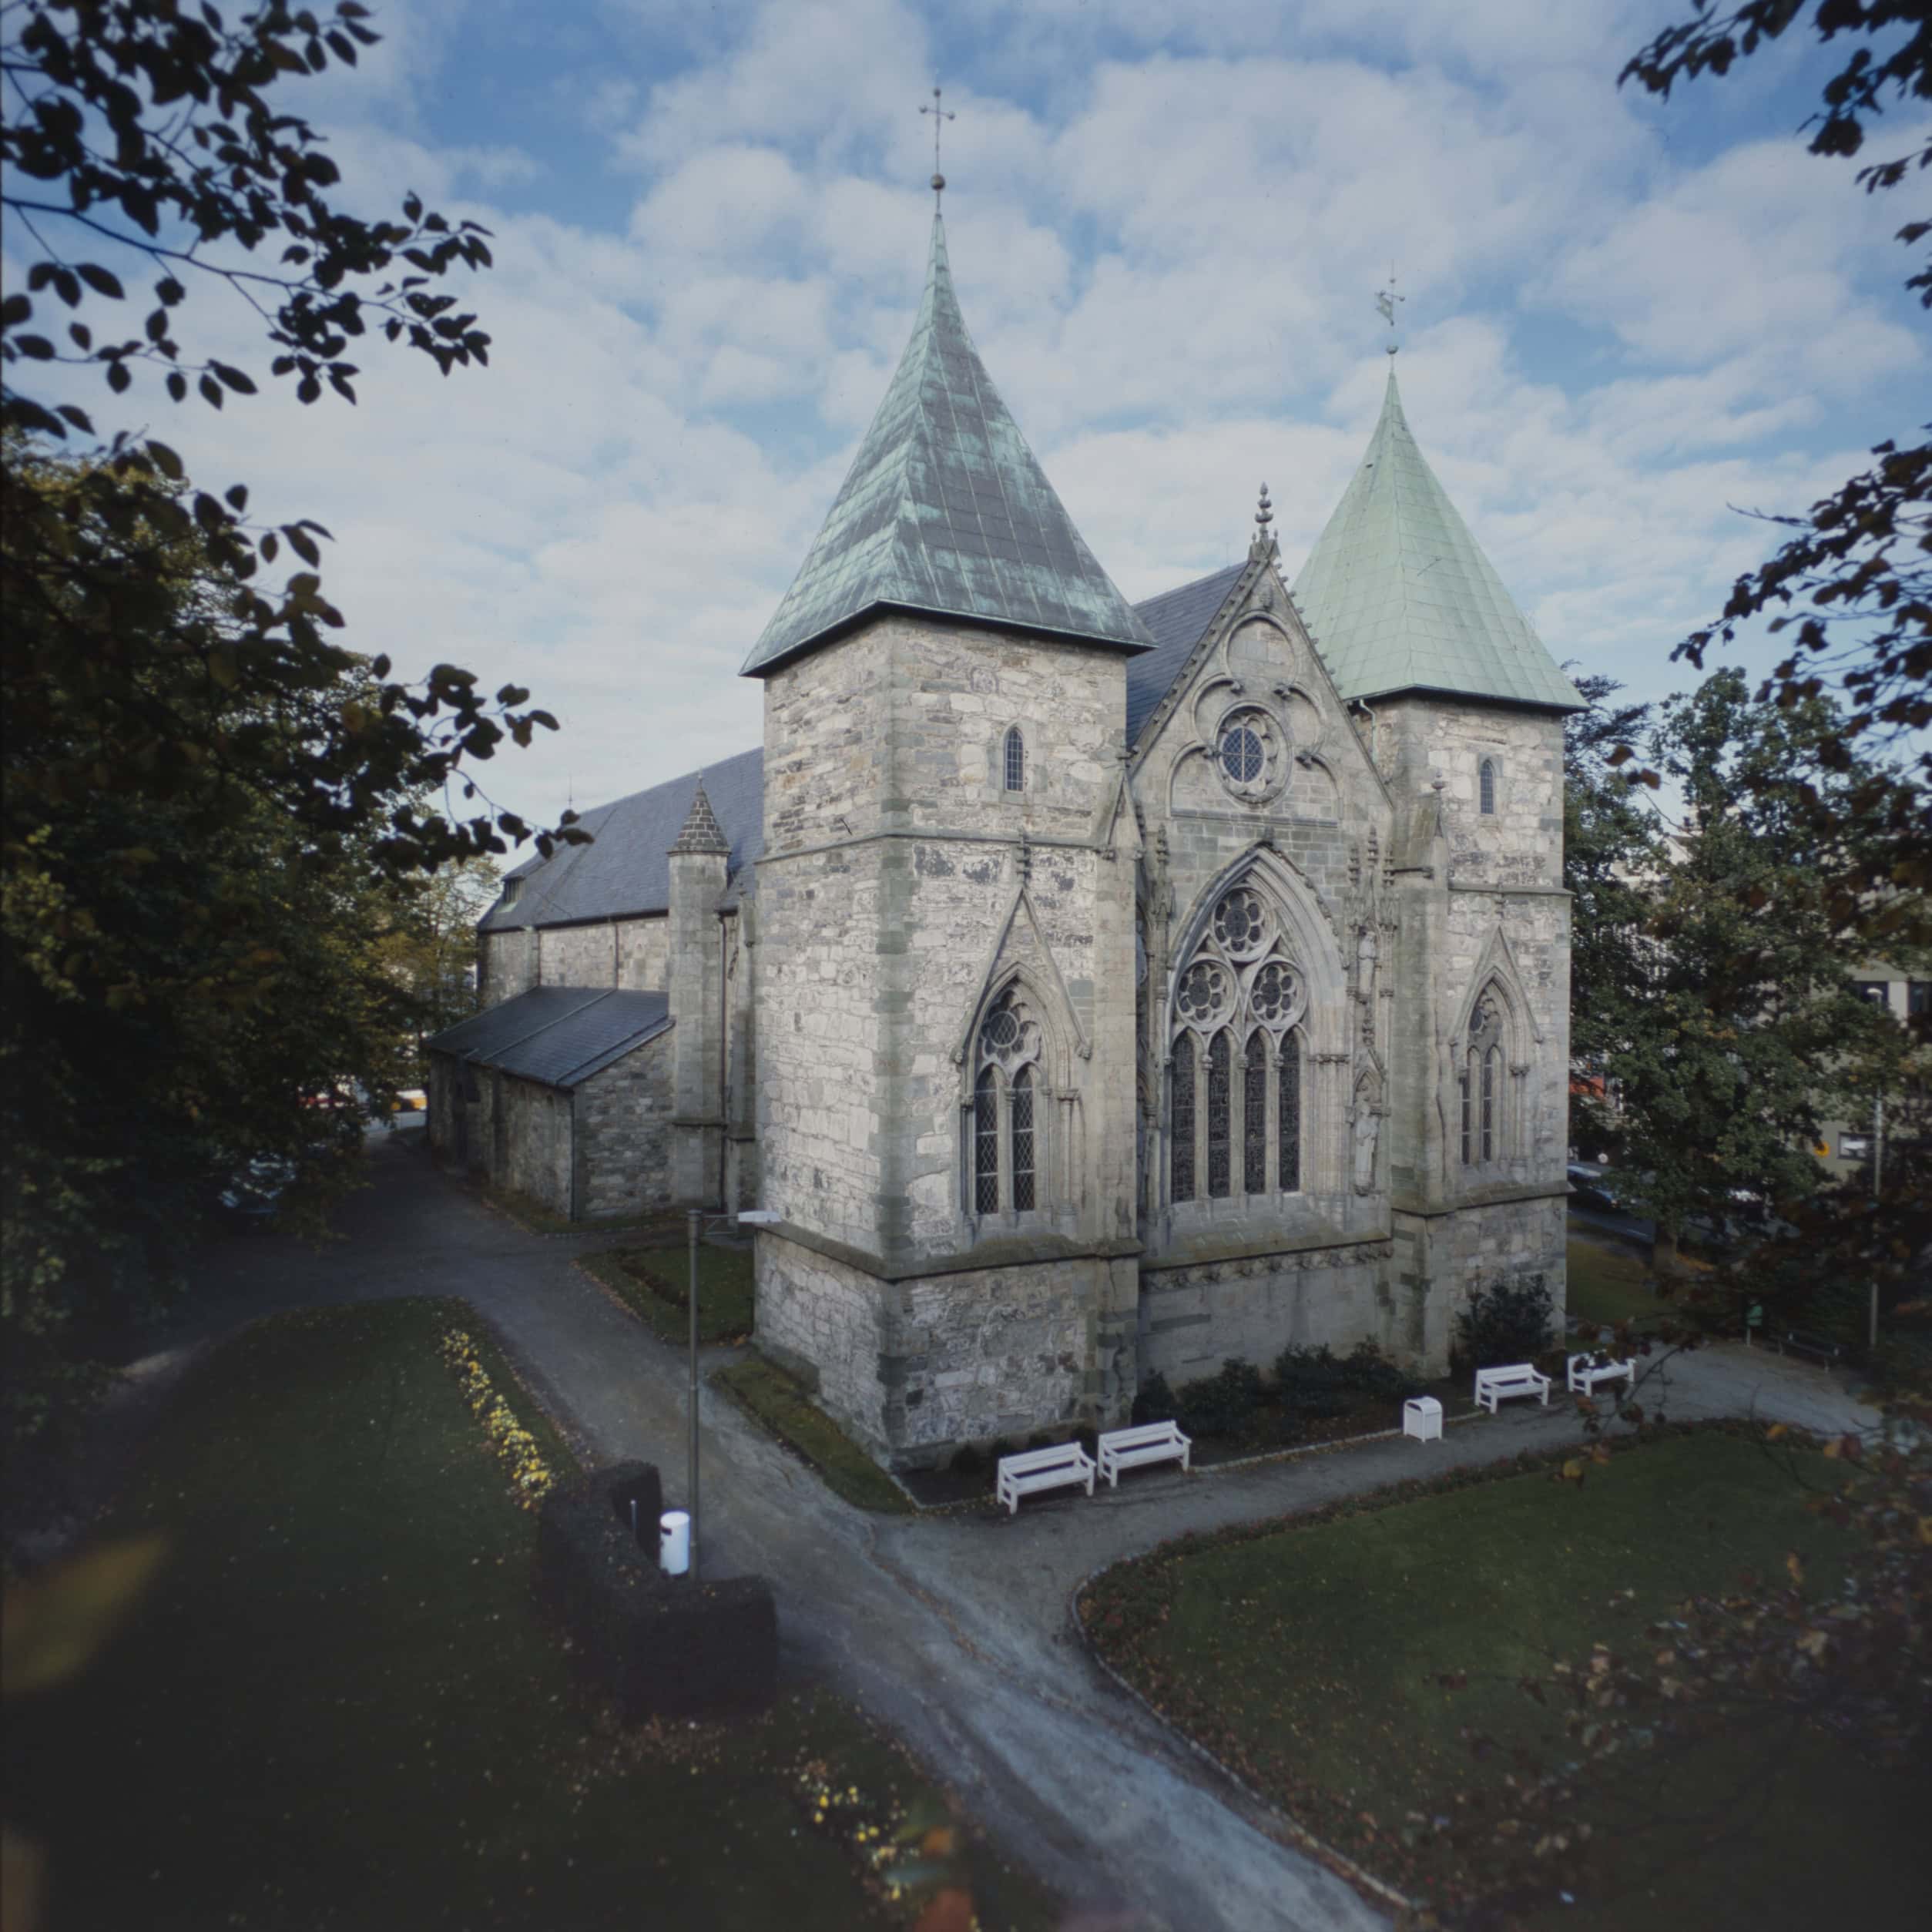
{"x":674,"y":1542}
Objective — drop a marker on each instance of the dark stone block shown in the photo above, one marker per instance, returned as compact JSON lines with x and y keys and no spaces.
{"x":657,"y":1645}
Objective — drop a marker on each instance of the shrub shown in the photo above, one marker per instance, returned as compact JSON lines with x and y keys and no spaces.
{"x":1369,"y":1372}
{"x":1220,"y":1404}
{"x":1310,"y":1381}
{"x":968,"y":1459}
{"x":1154,"y":1402}
{"x":1508,"y":1322}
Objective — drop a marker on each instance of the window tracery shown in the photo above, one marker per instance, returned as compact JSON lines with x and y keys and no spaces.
{"x":1481,"y":1080}
{"x":1238,"y":1007}
{"x":1248,"y":752}
{"x":1005,"y":1128}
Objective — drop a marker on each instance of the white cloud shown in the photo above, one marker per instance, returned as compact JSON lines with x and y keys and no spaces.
{"x":1165,"y":232}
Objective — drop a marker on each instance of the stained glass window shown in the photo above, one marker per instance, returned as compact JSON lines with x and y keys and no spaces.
{"x":1288,"y":1106}
{"x":1254,"y":1116}
{"x":1181,"y":1135}
{"x":1022,"y":1112}
{"x":1220,"y":1102}
{"x":1241,"y":758}
{"x":986,"y":1143}
{"x":1015,"y":761}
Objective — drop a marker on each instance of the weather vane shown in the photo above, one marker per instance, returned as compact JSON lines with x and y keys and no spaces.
{"x":1385,"y":303}
{"x":938,"y":114}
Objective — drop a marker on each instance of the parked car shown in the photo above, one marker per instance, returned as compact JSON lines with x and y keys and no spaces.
{"x":252,"y":1192}
{"x":1591,"y":1186}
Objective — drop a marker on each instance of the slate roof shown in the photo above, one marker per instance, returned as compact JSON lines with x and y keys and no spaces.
{"x":945,"y":509}
{"x":556,"y":1035}
{"x":626,"y":868}
{"x":1400,"y":598}
{"x":1175,"y":620}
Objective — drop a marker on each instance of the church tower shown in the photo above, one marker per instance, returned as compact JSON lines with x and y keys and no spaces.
{"x":1462,"y":706}
{"x":945,"y":913}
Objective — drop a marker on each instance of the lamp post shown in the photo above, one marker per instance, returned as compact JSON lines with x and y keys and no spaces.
{"x":695,"y":1219}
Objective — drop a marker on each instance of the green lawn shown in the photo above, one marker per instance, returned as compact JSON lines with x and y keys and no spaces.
{"x":335,"y":1708}
{"x":654,"y":1282}
{"x":1605,"y":1284}
{"x":1305,"y":1658}
{"x":790,"y":1413}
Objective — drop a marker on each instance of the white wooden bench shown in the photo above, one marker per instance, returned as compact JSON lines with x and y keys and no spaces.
{"x":1035,"y":1469}
{"x":1585,"y":1372}
{"x":1152,"y":1442}
{"x":1494,"y":1385}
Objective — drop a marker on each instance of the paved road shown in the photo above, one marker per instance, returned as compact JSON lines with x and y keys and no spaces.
{"x":955,"y":1631}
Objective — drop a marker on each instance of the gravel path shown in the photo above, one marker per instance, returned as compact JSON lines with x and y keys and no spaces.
{"x":954,"y":1631}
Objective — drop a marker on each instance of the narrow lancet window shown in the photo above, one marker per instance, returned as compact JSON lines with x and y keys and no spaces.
{"x":1254,"y":1116}
{"x":1289,"y":1108}
{"x":1022,"y":1161}
{"x":1181,"y":1131}
{"x":1491,"y":1062}
{"x":1219,"y":1178}
{"x":1468,"y":1146}
{"x":1015,"y":760}
{"x":986,"y":1143}
{"x":1486,"y":782}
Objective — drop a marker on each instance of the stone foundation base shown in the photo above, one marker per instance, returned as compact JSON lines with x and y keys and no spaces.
{"x":916,"y":1370}
{"x":1193,"y":1319}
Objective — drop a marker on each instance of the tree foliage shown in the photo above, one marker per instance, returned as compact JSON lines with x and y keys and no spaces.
{"x":146,"y":130}
{"x":1610,"y":855}
{"x":1850,"y":592}
{"x":1742,"y":1020}
{"x":222,"y":825}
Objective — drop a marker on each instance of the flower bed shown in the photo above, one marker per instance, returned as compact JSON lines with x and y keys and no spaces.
{"x":530,"y":1477}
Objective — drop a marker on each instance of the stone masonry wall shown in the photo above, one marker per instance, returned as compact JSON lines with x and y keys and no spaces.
{"x":623,"y":1129}
{"x":1439,"y":1260}
{"x":538,"y":1142}
{"x":1326,"y":823}
{"x":1192,"y":1319}
{"x":916,"y":1369}
{"x":635,"y":949}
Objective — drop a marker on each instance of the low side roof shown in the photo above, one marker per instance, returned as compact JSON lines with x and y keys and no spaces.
{"x":556,"y":1035}
{"x":626,"y":867}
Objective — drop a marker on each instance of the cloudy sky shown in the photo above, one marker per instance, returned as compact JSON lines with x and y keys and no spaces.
{"x":1166,"y":227}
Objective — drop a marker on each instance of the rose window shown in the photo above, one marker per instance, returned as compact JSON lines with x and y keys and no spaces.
{"x":1246,"y":752}
{"x":1203,"y":992}
{"x":1241,"y":924}
{"x":1275,"y":992}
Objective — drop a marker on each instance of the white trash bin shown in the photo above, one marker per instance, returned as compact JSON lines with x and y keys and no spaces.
{"x":674,"y":1542}
{"x":1422,"y":1418}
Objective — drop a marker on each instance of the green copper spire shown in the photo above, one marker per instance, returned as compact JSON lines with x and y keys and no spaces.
{"x":1400,"y":598}
{"x":946,"y":510}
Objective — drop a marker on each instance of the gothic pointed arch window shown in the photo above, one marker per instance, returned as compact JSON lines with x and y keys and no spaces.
{"x":1181,"y":1132}
{"x":1481,"y":1079}
{"x":1235,"y":1118}
{"x":1288,"y":1110}
{"x":1486,"y":787}
{"x":1015,"y":759}
{"x":1004,"y":1124}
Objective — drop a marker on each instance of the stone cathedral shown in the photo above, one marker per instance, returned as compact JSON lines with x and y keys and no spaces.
{"x":1091,"y":989}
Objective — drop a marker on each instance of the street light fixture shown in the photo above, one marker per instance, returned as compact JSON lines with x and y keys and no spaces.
{"x":695,"y":1220}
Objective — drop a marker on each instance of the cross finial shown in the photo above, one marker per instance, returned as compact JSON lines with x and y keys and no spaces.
{"x":1385,"y":303}
{"x":938,"y":114}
